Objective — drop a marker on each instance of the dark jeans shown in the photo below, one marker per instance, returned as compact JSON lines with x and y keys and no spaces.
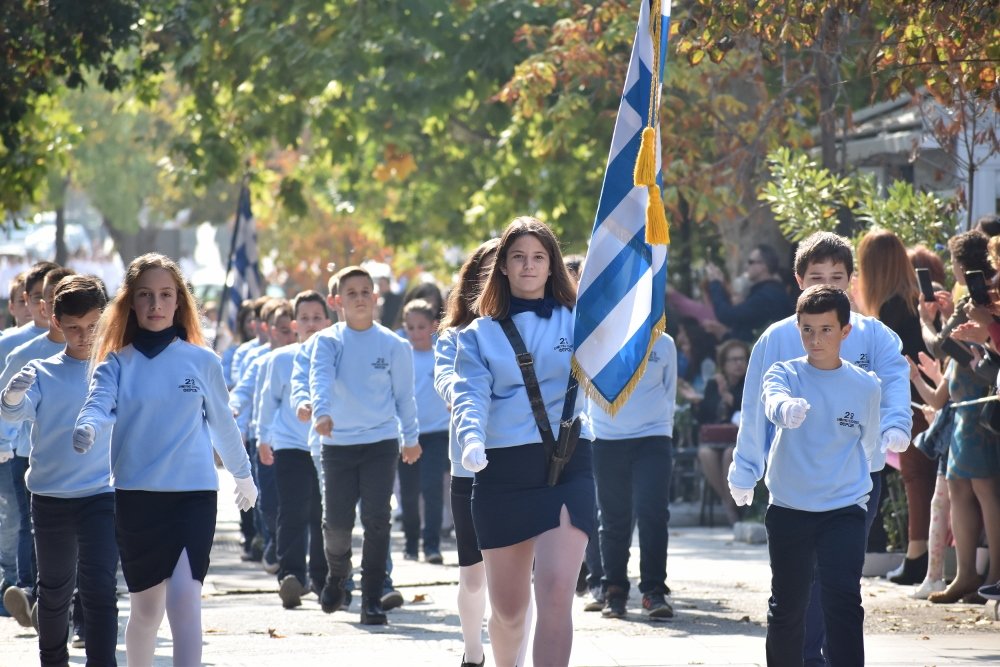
{"x":26,"y":569}
{"x":75,"y":544}
{"x":300,"y":517}
{"x":424,"y":478}
{"x":815,"y":641}
{"x":267,"y":506}
{"x":359,"y":473}
{"x":247,"y":526}
{"x":633,"y":477}
{"x":592,"y":556}
{"x":801,"y":545}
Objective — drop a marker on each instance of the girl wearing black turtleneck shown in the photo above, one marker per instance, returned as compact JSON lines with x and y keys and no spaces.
{"x":165,"y":396}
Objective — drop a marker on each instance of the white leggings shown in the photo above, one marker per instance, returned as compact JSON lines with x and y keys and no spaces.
{"x":180,"y":597}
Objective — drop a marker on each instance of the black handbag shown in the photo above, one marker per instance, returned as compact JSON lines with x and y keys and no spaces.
{"x":934,"y":442}
{"x":559,"y":451}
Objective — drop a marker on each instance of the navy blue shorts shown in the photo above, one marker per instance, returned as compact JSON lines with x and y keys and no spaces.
{"x":512,"y":502}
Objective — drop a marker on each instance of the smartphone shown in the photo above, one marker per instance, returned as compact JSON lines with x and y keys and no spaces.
{"x":926,"y":285}
{"x":976,"y":282}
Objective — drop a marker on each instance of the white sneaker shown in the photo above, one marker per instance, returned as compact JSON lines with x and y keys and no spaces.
{"x":929,"y":586}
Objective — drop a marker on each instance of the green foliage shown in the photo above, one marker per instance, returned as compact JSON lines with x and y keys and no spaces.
{"x":806,"y":198}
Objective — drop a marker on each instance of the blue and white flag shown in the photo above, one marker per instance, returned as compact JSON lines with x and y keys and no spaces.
{"x":243,"y":280}
{"x":620,"y":308}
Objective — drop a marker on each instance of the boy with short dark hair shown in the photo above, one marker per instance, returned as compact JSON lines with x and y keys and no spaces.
{"x":824,"y":258}
{"x":72,"y":502}
{"x":360,"y":384}
{"x":826,"y":412}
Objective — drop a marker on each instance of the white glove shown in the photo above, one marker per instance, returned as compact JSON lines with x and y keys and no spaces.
{"x":895,"y":440}
{"x":741,"y":496}
{"x":18,"y":386}
{"x":474,"y":456}
{"x":792,"y":412}
{"x":6,"y":455}
{"x":83,"y":438}
{"x":246,"y":493}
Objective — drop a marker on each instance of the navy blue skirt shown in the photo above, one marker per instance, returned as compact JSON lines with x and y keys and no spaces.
{"x":154,"y":527}
{"x":511,"y":501}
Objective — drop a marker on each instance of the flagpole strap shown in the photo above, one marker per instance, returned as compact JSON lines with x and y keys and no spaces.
{"x":655,"y":29}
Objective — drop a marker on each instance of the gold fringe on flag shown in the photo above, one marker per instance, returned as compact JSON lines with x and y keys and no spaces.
{"x":591,"y":390}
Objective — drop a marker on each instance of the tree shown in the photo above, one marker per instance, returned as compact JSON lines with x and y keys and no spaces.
{"x":45,"y":46}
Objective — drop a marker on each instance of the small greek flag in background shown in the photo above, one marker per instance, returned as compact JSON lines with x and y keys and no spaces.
{"x":619,"y":312}
{"x":244,"y":279}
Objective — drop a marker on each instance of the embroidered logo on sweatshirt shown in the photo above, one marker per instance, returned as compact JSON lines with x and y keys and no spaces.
{"x":380,"y":364}
{"x":862,"y":361}
{"x":563,"y":345}
{"x":847,"y":420}
{"x":189,"y":386}
{"x":654,"y":357}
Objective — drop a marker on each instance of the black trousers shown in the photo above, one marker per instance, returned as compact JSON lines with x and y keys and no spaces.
{"x":300,"y":517}
{"x":75,"y":546}
{"x":832,"y":546}
{"x":354,"y":473}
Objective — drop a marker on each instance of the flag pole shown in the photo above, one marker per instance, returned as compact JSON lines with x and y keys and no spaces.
{"x":224,"y":298}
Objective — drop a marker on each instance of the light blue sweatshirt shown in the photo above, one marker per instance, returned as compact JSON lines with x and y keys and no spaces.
{"x":244,"y":397}
{"x":489,"y":399}
{"x":871,"y":346}
{"x":363,"y":380}
{"x":300,"y":388}
{"x":167,"y":414}
{"x":432,"y":412}
{"x":277,"y":424}
{"x":649,"y":410}
{"x":14,"y":337}
{"x":50,"y":407}
{"x":240,"y":360}
{"x":823,"y":464}
{"x":18,"y":436}
{"x":445,"y":351}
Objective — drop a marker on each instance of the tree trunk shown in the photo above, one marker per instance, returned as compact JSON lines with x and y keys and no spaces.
{"x":62,"y":254}
{"x":827,"y":49}
{"x":130,"y":245}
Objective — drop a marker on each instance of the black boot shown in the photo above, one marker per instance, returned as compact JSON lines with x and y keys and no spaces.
{"x":331,"y":598}
{"x":371,"y":611}
{"x":914,"y":571}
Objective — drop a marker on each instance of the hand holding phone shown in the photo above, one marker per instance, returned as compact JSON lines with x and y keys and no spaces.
{"x":978,"y":291}
{"x":926,"y":285}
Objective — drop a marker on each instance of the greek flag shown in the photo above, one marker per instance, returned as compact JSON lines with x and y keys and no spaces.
{"x":619,"y":311}
{"x":243,"y":279}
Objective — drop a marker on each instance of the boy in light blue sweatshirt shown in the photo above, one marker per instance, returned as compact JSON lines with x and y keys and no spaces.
{"x":825,"y":258}
{"x":283,"y":442}
{"x":362,"y":396}
{"x":826,"y":412}
{"x":72,"y":502}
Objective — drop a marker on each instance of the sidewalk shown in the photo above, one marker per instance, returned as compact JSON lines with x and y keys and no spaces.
{"x":719,"y":597}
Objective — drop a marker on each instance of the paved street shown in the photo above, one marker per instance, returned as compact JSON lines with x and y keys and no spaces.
{"x":719,"y":596}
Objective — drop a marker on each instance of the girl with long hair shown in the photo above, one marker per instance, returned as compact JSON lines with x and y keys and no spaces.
{"x":888,"y":291}
{"x":520,"y":520}
{"x":164,"y":394}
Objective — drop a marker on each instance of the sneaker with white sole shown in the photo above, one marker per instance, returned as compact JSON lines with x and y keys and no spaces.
{"x":991,"y":592}
{"x":655,"y":606}
{"x":596,"y":601}
{"x":18,"y":602}
{"x":291,"y":590}
{"x":929,"y":586}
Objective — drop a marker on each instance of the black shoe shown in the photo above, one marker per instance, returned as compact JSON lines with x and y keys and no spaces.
{"x":656,"y":606}
{"x":331,"y":598}
{"x":614,"y":605}
{"x":411,"y":555}
{"x":391,"y":600}
{"x":434,"y":557}
{"x":18,"y":602}
{"x":914,"y":571}
{"x":372,"y":612}
{"x":466,"y":663}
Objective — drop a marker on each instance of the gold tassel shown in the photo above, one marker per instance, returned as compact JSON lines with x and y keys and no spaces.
{"x":645,"y":163}
{"x":657,"y":231}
